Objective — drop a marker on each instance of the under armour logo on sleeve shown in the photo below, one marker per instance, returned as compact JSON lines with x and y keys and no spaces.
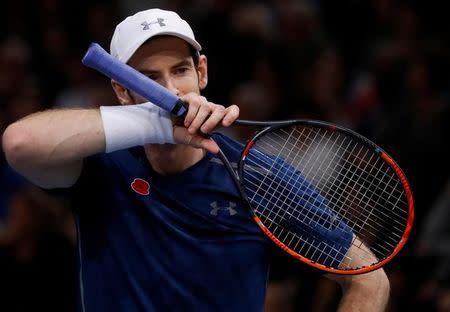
{"x":147,"y":25}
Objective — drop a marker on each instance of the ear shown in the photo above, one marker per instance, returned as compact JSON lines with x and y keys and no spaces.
{"x":202,"y":72}
{"x":122,"y":93}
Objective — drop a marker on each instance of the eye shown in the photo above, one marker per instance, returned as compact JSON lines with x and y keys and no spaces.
{"x":152,"y":76}
{"x":181,"y":70}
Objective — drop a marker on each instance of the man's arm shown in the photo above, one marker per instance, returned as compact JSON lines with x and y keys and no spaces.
{"x":368,"y":292}
{"x":48,"y":147}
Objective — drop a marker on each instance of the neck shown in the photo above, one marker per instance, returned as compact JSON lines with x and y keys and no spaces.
{"x":168,"y":159}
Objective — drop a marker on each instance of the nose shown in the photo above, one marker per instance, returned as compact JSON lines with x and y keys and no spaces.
{"x":171,"y":86}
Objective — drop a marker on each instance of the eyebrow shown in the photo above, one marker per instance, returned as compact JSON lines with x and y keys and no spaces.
{"x":184,"y":62}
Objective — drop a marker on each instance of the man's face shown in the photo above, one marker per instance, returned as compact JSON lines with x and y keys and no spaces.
{"x":168,"y":61}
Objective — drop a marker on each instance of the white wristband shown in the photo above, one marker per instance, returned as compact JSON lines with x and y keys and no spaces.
{"x":132,"y":125}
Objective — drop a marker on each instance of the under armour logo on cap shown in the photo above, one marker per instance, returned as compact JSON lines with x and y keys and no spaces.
{"x":137,"y":29}
{"x":147,"y":25}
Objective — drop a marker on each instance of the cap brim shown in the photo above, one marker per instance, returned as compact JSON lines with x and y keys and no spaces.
{"x":132,"y":50}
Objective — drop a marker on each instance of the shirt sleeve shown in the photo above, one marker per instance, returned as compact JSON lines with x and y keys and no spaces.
{"x":286,"y":198}
{"x":80,"y":190}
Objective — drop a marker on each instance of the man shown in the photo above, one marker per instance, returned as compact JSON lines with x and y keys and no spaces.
{"x":160,"y":226}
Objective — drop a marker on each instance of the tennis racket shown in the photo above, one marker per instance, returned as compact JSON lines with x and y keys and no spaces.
{"x":323,"y":193}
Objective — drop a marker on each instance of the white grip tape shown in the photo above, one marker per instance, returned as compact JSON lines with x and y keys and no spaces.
{"x":126,"y":126}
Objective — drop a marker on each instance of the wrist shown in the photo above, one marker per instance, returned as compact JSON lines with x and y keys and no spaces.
{"x":133,"y":125}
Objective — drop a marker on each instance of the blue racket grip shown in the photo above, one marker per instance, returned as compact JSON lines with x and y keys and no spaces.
{"x":97,"y":58}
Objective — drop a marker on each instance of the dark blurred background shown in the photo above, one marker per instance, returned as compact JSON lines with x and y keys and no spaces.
{"x":380,"y":67}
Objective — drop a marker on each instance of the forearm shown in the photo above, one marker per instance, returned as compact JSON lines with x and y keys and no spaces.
{"x":366,"y":292}
{"x":53,"y":139}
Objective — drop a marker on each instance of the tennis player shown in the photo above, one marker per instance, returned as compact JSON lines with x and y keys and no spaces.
{"x":160,"y":224}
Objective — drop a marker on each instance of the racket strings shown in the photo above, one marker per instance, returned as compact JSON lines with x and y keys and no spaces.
{"x":349,"y":193}
{"x":272,"y":216}
{"x":333,"y":205}
{"x":340,"y":150}
{"x":291,"y":150}
{"x":343,"y":215}
{"x":357,"y":227}
{"x":271,"y":168}
{"x":342,"y":160}
{"x":372,"y":207}
{"x":362,"y":178}
{"x":319,"y":248}
{"x":339,"y":175}
{"x":269,"y":201}
{"x":337,"y":252}
{"x":354,"y":198}
{"x":337,"y":188}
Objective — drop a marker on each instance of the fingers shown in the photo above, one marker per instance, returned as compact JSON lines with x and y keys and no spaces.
{"x":231,"y":114}
{"x":204,"y":112}
{"x":220,"y":116}
{"x":214,"y":119}
{"x":205,"y":116}
{"x":205,"y":143}
{"x":194,"y":104}
{"x":182,"y":136}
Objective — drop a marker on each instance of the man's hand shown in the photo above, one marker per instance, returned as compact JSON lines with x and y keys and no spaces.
{"x":202,"y":118}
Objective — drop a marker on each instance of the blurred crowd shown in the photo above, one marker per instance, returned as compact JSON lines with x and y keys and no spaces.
{"x":380,"y":67}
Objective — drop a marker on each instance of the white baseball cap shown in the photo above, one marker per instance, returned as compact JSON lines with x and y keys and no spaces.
{"x":133,"y":31}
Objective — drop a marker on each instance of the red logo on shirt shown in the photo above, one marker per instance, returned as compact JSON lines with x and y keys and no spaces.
{"x":140,"y":186}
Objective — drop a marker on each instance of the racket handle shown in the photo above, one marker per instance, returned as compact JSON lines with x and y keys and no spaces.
{"x":97,"y":58}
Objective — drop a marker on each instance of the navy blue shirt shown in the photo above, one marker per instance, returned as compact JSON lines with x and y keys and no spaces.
{"x":182,"y":242}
